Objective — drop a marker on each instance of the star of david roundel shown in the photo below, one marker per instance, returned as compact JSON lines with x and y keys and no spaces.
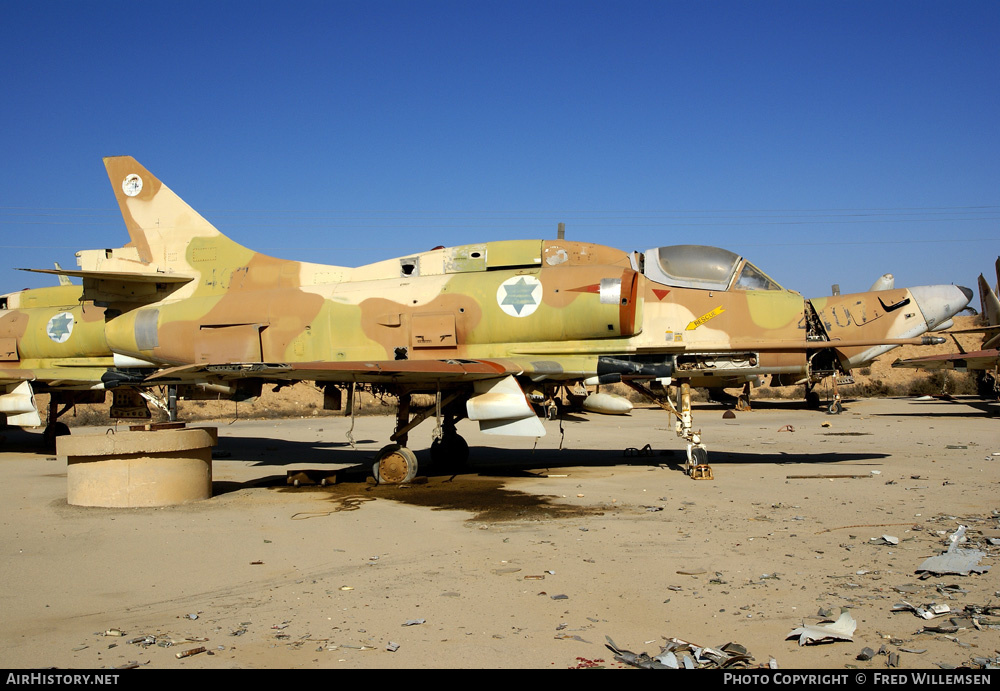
{"x":520,"y":296}
{"x":60,"y":327}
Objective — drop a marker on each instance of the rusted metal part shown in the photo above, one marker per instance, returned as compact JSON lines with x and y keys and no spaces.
{"x":702,"y":472}
{"x":394,"y":465}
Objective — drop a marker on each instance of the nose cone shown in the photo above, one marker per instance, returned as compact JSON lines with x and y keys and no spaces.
{"x":940,"y":303}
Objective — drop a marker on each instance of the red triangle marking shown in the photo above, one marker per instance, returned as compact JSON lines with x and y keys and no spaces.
{"x":596,"y":288}
{"x":660,"y":294}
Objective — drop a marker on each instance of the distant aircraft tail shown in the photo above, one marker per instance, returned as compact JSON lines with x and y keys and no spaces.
{"x":990,"y":308}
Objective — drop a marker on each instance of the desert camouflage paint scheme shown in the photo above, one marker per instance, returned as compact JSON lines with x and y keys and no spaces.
{"x":489,"y":328}
{"x":985,"y":362}
{"x":50,"y":342}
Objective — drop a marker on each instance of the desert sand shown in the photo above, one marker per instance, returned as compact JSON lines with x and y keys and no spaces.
{"x":530,"y":558}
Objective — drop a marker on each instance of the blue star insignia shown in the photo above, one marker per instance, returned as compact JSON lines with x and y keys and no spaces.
{"x":519,"y":295}
{"x":59,"y":327}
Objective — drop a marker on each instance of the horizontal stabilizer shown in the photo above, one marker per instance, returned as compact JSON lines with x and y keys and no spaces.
{"x":122,"y":287}
{"x":115,"y":276}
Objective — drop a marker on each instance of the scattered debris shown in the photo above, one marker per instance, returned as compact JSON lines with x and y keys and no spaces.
{"x":415,"y":622}
{"x":885,"y":540}
{"x":728,"y":656}
{"x":842,"y":629}
{"x":189,"y":653}
{"x":392,"y":647}
{"x":955,"y":561}
{"x":931,"y":611}
{"x":786,"y":428}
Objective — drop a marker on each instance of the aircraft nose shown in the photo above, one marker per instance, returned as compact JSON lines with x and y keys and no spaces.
{"x":939,"y":303}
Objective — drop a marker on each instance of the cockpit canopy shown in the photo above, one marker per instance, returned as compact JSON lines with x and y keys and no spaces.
{"x":708,"y":268}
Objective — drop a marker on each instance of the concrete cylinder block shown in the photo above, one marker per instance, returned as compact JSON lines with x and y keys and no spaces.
{"x":132,"y":469}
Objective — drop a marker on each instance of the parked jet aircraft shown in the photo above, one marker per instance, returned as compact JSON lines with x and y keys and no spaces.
{"x":985,"y":361}
{"x":485,"y":328}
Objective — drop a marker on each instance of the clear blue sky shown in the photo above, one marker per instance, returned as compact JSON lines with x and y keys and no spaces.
{"x":829,"y":142}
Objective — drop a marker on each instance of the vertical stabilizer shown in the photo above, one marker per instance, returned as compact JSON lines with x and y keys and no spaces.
{"x":161,"y":225}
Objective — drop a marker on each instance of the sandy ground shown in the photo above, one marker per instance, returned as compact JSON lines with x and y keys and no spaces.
{"x":528,"y":560}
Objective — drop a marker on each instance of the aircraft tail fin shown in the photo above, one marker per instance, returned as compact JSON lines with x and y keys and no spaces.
{"x":161,"y":226}
{"x":63,"y":280}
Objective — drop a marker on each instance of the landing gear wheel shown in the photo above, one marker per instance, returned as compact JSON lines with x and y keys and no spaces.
{"x":835,"y":408}
{"x":450,"y":452}
{"x":700,"y":469}
{"x":56,"y":429}
{"x":394,"y":465}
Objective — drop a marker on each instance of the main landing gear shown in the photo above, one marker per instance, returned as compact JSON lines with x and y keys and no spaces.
{"x":396,"y":464}
{"x":835,"y":407}
{"x":697,"y":454}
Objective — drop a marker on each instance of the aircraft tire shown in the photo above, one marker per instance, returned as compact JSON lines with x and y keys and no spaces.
{"x":394,"y":465}
{"x":56,"y":429}
{"x":699,"y":456}
{"x":450,"y":452}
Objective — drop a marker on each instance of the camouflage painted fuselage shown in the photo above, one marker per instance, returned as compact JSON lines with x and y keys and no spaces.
{"x":553,"y":308}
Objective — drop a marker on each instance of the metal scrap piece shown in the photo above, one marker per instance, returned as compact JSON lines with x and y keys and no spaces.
{"x":674,"y":655}
{"x":955,"y":561}
{"x":960,"y":562}
{"x":929,"y":612}
{"x":842,"y":629}
{"x":642,"y":660}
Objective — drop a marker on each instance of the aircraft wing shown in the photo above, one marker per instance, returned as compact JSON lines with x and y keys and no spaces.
{"x":976,"y":360}
{"x":497,"y":402}
{"x":373,"y":371}
{"x":55,"y":377}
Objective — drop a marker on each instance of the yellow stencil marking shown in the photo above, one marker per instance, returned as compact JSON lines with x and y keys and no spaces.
{"x":704,"y":318}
